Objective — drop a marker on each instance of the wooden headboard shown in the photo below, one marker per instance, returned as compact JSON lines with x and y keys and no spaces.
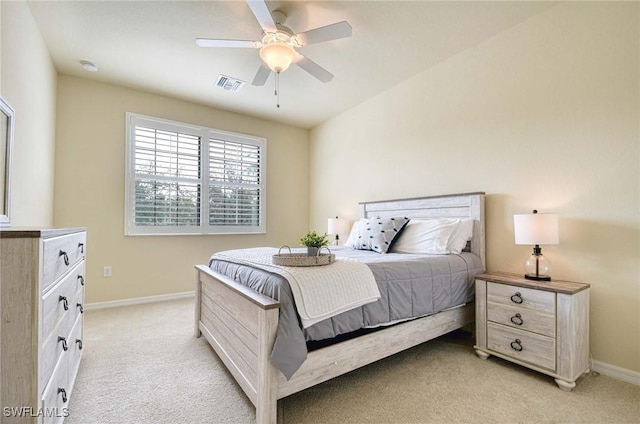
{"x":466,"y":205}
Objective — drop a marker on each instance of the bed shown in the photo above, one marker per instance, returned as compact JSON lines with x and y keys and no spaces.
{"x":242,"y":325}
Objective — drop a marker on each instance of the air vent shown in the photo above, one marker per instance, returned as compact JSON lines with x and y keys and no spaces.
{"x":229,"y":84}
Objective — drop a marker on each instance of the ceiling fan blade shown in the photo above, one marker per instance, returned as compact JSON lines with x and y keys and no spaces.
{"x":325,"y":33}
{"x":210,"y":42}
{"x":313,"y":68}
{"x":262,"y":14}
{"x":261,"y":75}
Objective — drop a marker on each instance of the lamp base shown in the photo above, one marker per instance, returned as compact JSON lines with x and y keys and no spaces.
{"x":537,"y":277}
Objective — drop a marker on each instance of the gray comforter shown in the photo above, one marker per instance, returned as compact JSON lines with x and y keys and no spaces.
{"x":410,"y":285}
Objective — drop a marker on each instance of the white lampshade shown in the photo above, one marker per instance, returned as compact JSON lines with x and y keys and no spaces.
{"x":336,"y":225}
{"x":536,"y":228}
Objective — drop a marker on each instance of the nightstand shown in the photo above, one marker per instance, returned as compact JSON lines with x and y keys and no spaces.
{"x":540,"y":325}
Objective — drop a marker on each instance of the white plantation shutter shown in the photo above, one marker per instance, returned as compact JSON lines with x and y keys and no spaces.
{"x":234,"y":183}
{"x":167,"y":178}
{"x":183,"y":179}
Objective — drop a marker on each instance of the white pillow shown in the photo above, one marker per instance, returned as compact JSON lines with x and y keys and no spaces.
{"x":429,"y":236}
{"x":461,"y":235}
{"x":353,"y":235}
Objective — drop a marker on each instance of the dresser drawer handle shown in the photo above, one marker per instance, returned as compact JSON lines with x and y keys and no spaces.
{"x":65,"y":302}
{"x":81,"y":247}
{"x":79,"y":305}
{"x":64,"y":256}
{"x":64,"y":343}
{"x":516,"y":345}
{"x":79,"y":343}
{"x":517,"y":319}
{"x":81,"y":278}
{"x":516,"y":298}
{"x":64,"y":394}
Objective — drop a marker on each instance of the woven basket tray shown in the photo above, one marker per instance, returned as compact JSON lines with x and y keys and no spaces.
{"x":302,"y":259}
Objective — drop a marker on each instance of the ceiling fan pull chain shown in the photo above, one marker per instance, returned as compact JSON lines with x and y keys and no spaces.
{"x":277,"y":92}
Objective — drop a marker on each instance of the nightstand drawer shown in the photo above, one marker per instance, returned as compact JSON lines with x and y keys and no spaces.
{"x":521,"y":297}
{"x":522,"y":318}
{"x":530,"y":347}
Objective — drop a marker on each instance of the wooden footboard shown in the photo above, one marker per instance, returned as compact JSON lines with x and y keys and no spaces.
{"x":241,"y":324}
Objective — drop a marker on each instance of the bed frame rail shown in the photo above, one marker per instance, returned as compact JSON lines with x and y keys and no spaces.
{"x":332,"y":361}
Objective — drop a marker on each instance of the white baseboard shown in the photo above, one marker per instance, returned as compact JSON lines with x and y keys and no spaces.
{"x":138,"y":300}
{"x":618,"y":373}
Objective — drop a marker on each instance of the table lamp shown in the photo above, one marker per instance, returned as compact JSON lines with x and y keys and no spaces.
{"x":337,"y":226}
{"x":536,"y":228}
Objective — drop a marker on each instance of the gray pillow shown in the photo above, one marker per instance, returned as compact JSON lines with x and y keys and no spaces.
{"x":378,"y":234}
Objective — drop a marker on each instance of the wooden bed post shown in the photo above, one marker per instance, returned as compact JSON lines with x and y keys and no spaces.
{"x":267,"y":390}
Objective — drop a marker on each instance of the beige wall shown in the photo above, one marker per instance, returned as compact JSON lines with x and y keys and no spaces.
{"x":544,"y":115}
{"x":29,"y":85}
{"x":89,"y":188}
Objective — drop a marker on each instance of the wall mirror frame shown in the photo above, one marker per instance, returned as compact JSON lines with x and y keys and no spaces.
{"x":7,"y":124}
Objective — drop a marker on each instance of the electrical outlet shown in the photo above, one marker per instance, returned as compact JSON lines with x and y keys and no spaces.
{"x":106,"y":271}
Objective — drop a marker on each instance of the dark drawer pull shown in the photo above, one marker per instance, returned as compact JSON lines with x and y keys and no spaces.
{"x":516,"y":298}
{"x":79,"y":343}
{"x":81,"y":246}
{"x":65,"y":302}
{"x":517,"y":319}
{"x":81,"y":278}
{"x":64,"y":343}
{"x":64,"y":394}
{"x":516,"y":345}
{"x":64,"y":256}
{"x":79,"y":305}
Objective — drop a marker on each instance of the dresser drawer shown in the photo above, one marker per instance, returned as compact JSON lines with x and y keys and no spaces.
{"x":522,"y":297}
{"x":60,"y":254}
{"x":525,"y":346}
{"x":52,"y":350}
{"x":59,"y":301}
{"x":55,"y":399}
{"x":522,"y":318}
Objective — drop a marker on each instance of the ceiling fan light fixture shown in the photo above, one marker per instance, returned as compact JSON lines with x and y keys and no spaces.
{"x":277,"y":50}
{"x":278,"y":56}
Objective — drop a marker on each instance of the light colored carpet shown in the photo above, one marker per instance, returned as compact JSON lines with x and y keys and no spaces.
{"x":142,"y":365}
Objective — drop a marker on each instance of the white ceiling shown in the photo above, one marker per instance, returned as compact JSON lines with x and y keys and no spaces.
{"x":149,"y":45}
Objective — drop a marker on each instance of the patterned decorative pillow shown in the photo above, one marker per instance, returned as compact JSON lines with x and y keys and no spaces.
{"x":377,"y":234}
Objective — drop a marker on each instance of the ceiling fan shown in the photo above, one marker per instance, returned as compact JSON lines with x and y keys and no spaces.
{"x":279,"y":43}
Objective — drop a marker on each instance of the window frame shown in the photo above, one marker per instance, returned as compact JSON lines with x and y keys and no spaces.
{"x":205,"y":134}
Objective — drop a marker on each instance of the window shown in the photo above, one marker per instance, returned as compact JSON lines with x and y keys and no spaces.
{"x":185,"y":179}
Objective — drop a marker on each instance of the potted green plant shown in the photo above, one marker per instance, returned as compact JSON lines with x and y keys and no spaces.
{"x":314,"y":242}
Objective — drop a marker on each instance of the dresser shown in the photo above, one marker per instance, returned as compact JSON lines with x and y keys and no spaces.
{"x":540,"y":325}
{"x":41,"y":305}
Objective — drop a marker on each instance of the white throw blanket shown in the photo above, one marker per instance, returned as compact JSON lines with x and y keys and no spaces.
{"x":320,"y":292}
